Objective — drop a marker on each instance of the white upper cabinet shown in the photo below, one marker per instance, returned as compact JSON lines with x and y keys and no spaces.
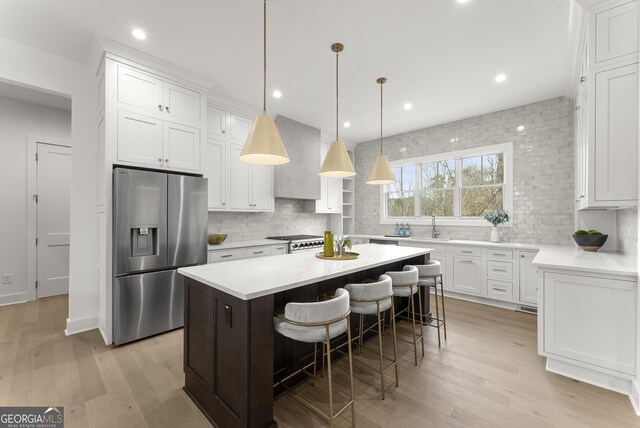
{"x":214,"y":169}
{"x":615,"y":33}
{"x":616,"y":136}
{"x":216,"y":122}
{"x":181,"y":146}
{"x":606,"y":118}
{"x":139,"y":89}
{"x":331,"y":197}
{"x":181,"y":104}
{"x":161,"y":98}
{"x":234,"y":185}
{"x":139,"y":139}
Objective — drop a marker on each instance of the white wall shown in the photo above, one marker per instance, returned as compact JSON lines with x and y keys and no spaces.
{"x":17,"y":119}
{"x":41,"y":70}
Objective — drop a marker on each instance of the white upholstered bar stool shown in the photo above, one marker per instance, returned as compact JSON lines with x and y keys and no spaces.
{"x":430,"y":275}
{"x":375,"y":298}
{"x":405,"y":284}
{"x":319,"y":322}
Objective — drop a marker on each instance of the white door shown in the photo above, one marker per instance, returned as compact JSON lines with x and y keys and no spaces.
{"x":54,"y":195}
{"x":239,"y":195}
{"x":181,"y":103}
{"x":139,"y":89}
{"x":215,"y":170}
{"x":181,"y":147}
{"x":262,"y":195}
{"x":528,"y":279}
{"x":139,"y":139}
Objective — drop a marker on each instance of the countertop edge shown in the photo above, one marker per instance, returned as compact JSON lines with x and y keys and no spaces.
{"x":244,"y":244}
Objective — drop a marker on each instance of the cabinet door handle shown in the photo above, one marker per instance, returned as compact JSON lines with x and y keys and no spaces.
{"x":225,"y":256}
{"x":498,"y":254}
{"x":167,"y":108}
{"x":466,"y":252}
{"x":160,"y":160}
{"x":583,"y":79}
{"x":159,"y":107}
{"x":258,"y":252}
{"x":223,"y":131}
{"x":499,"y":270}
{"x":166,"y":160}
{"x":522,"y":255}
{"x":465,"y":261}
{"x":502,"y":290}
{"x":224,"y":204}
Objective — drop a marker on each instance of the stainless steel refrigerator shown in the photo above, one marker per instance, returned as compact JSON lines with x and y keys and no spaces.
{"x":159,"y":225}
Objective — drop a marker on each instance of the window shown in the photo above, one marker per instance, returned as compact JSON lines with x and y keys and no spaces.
{"x":458,"y":187}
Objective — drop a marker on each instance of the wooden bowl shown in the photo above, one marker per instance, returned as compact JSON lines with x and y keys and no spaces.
{"x":217,"y":238}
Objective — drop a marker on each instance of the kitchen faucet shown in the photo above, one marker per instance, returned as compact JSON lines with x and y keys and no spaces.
{"x":434,"y":232}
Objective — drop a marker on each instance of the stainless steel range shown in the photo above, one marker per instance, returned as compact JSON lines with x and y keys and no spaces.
{"x":301,"y":242}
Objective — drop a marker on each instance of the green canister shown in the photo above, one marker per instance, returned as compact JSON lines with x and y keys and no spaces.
{"x":328,"y":243}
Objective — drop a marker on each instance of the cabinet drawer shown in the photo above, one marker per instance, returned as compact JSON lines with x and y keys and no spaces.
{"x":467,"y":251}
{"x":258,"y":251}
{"x":500,"y":270}
{"x":499,"y":254}
{"x":500,"y":290}
{"x":225,"y":255}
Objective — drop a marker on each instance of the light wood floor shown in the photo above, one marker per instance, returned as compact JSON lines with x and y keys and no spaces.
{"x":486,"y":375}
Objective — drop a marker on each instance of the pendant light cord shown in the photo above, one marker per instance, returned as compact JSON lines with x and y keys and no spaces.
{"x":264,"y":56}
{"x":381,"y":84}
{"x":337,"y":105}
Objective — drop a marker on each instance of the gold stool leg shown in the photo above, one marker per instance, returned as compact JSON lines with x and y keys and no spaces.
{"x":360,"y":334}
{"x":353,"y":405}
{"x":444,"y":316}
{"x":329,"y":377}
{"x":315,"y":353}
{"x":421,"y":320}
{"x":435,"y":280}
{"x":380,"y":348}
{"x":323,"y":346}
{"x":395,"y":344}
{"x":413,"y":319}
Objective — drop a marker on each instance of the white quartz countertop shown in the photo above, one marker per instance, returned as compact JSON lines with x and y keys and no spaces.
{"x":256,"y":277}
{"x":513,"y":245}
{"x":573,"y":258}
{"x":244,"y":244}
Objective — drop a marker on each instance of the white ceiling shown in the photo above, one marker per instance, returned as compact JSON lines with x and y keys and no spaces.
{"x":440,"y":55}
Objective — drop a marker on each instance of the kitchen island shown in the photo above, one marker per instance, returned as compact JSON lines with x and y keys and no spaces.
{"x":232,"y":356}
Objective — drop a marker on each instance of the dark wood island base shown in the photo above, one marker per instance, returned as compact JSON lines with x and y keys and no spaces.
{"x":232,"y":355}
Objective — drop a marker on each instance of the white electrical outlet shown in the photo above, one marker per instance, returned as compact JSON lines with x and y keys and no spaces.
{"x":7,"y":278}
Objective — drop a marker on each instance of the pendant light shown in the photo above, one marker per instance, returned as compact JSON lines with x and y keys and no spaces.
{"x":337,"y":163}
{"x":381,"y":173}
{"x":264,"y":145}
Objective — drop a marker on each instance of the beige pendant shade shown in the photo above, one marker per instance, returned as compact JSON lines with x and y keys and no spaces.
{"x":337,"y":163}
{"x":381,"y":173}
{"x":264,"y":145}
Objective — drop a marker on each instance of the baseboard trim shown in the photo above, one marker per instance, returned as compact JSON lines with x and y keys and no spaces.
{"x":634,"y":397}
{"x":79,"y":325}
{"x":12,"y":299}
{"x":104,"y":336}
{"x":593,"y":377}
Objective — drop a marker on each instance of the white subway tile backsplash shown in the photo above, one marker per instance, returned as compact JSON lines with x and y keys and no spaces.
{"x":627,"y":231}
{"x":543,"y":170}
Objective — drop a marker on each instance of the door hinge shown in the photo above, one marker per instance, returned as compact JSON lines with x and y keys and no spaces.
{"x":36,"y":284}
{"x":35,"y":198}
{"x":36,"y":156}
{"x":36,"y":242}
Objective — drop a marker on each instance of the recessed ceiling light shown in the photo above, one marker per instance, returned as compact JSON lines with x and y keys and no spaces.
{"x":463,"y":1}
{"x":501,"y":77}
{"x":139,"y":34}
{"x":347,"y":124}
{"x":408,"y":106}
{"x":277,"y":94}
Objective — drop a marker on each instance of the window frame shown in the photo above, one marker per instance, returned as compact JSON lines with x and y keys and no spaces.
{"x":507,"y":151}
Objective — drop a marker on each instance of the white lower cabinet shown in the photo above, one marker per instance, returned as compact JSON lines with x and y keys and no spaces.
{"x":528,"y":281}
{"x":442,"y":258}
{"x":500,"y":290}
{"x":587,"y":325}
{"x":225,"y":255}
{"x":467,"y":275}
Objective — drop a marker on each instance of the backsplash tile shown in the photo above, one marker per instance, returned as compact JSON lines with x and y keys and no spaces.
{"x":627,"y":231}
{"x":543,"y":170}
{"x":289,"y":218}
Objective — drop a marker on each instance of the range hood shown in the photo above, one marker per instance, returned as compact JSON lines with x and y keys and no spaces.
{"x":299,"y":178}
